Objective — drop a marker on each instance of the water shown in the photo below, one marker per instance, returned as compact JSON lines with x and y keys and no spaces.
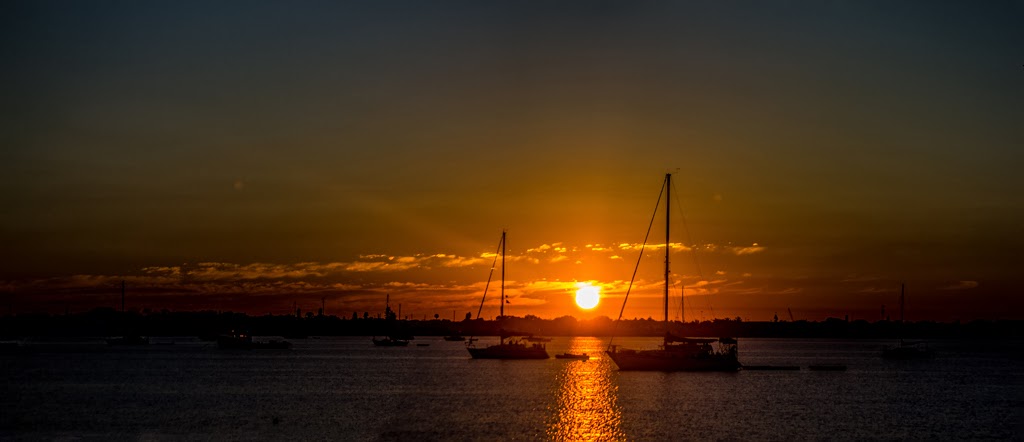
{"x":345,"y":388}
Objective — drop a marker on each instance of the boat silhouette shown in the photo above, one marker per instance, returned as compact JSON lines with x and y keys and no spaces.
{"x":581,"y":356}
{"x":676,"y":353}
{"x":388,"y":341}
{"x":391,"y":339}
{"x":906,"y":349}
{"x":509,"y":346}
{"x":244,"y":341}
{"x":127,"y":338}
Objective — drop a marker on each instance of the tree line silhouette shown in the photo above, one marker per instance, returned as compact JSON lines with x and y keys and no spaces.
{"x":108,"y":322}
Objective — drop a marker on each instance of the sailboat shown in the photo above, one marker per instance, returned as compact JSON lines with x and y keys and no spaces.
{"x":389,"y":319}
{"x":676,"y":353}
{"x":904,"y":349}
{"x":509,"y":346}
{"x":127,"y":338}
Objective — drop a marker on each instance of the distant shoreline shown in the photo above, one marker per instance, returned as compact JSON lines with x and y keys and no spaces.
{"x":107,"y":322}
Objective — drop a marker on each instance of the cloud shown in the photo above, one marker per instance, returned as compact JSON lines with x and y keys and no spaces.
{"x":539,"y":249}
{"x":749,"y":250}
{"x":368,"y":266}
{"x":735,"y":290}
{"x":704,"y":248}
{"x":676,"y":247}
{"x":550,"y":286}
{"x":426,"y":276}
{"x":522,"y":258}
{"x":407,"y":285}
{"x":458,"y":261}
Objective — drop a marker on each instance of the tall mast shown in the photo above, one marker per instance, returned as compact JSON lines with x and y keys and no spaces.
{"x":901,"y":303}
{"x":901,"y":315}
{"x":501,"y":311}
{"x":668,"y":211}
{"x":122,"y":296}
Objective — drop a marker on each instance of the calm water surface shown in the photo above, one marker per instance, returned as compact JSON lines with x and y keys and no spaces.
{"x":347,"y":389}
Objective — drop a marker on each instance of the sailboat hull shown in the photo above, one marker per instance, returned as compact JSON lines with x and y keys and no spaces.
{"x":390,"y":342}
{"x":677,"y":353}
{"x":509,"y":351}
{"x":661,"y":360}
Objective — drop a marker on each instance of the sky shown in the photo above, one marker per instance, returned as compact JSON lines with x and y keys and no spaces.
{"x":257,"y":156}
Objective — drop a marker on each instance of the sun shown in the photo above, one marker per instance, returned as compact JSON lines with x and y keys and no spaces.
{"x":588,"y":296}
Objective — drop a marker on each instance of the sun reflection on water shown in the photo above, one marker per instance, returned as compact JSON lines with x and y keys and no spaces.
{"x":587,"y":405}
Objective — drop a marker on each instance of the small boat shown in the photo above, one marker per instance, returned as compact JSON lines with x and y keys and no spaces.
{"x":508,"y":347}
{"x":243,"y":341}
{"x":455,"y":338}
{"x":392,"y":339}
{"x":389,"y":341}
{"x":272,"y":344}
{"x":903,"y":349}
{"x":676,"y":353}
{"x":234,"y":341}
{"x":582,"y":356}
{"x":538,"y":339}
{"x":127,"y":339}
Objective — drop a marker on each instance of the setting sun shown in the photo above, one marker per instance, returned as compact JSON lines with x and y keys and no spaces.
{"x":588,"y":296}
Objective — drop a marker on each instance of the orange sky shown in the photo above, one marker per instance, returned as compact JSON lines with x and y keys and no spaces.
{"x":823,"y":153}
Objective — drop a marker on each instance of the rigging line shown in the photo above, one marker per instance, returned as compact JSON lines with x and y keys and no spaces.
{"x":637,"y":267}
{"x":489,"y":276}
{"x":682,"y":302}
{"x":677,"y":307}
{"x":696,"y":248}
